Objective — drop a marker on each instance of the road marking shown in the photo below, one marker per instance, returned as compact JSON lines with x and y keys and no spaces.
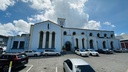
{"x":10,"y":66}
{"x":29,"y":68}
{"x":127,"y":70}
{"x":56,"y":69}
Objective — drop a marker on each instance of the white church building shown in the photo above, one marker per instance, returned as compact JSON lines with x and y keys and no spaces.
{"x":49,"y":35}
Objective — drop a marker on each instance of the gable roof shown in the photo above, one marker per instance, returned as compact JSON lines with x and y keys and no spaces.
{"x":47,"y":21}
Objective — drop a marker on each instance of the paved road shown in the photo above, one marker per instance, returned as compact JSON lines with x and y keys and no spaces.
{"x":105,"y":63}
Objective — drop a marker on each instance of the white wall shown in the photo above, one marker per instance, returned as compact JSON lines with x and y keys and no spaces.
{"x":44,"y":27}
{"x":17,"y":38}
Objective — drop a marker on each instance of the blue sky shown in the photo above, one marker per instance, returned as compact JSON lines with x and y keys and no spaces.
{"x":16,"y":16}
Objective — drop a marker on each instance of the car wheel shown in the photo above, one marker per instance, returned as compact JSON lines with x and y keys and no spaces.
{"x":97,"y":55}
{"x":46,"y":54}
{"x":57,"y":54}
{"x":35,"y":55}
{"x":90,"y":54}
{"x":5,"y":68}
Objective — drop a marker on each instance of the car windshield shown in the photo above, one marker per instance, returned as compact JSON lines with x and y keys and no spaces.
{"x":82,"y":50}
{"x":85,"y":68}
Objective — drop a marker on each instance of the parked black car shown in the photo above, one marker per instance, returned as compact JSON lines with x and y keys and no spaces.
{"x":105,"y":51}
{"x":1,"y":50}
{"x":18,"y":60}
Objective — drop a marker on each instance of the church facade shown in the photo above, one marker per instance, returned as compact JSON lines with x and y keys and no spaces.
{"x":49,"y":35}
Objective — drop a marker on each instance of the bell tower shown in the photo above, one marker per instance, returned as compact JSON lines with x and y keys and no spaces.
{"x":61,"y":21}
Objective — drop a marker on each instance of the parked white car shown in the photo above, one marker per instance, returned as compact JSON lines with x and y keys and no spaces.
{"x":76,"y":65}
{"x":32,"y":53}
{"x":92,"y":52}
{"x":81,"y":52}
{"x":51,"y":52}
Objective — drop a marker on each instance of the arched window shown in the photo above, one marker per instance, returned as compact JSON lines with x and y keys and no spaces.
{"x":112,"y":35}
{"x":74,"y":33}
{"x":82,"y":33}
{"x":104,"y":44}
{"x":41,"y":39}
{"x":98,"y":35}
{"x":91,"y":44}
{"x":90,"y":34}
{"x":111,"y":43}
{"x":53,"y":39}
{"x":47,"y":40}
{"x":105,"y":35}
{"x":65,"y":33}
{"x":83,"y":43}
{"x":77,"y":43}
{"x":48,"y":26}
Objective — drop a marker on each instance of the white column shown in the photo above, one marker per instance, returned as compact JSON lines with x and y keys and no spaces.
{"x":44,"y":40}
{"x":18,"y":45}
{"x":50,"y":40}
{"x":84,"y":43}
{"x":125,"y":45}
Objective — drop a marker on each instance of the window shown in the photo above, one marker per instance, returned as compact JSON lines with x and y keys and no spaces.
{"x":82,"y":33}
{"x":53,"y":39}
{"x":91,"y":43}
{"x":76,"y":43}
{"x":104,"y":44}
{"x":65,"y":33}
{"x":15,"y":44}
{"x":21,"y":44}
{"x":41,"y":39}
{"x":111,"y":35}
{"x":90,"y":34}
{"x":74,"y":33}
{"x":30,"y":51}
{"x":111,"y":43}
{"x":48,"y":26}
{"x":83,"y":42}
{"x":98,"y":35}
{"x":47,"y":40}
{"x":69,"y":63}
{"x":105,"y":35}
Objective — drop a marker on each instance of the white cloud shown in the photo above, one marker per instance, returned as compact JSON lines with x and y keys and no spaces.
{"x":17,"y":27}
{"x":122,"y":33}
{"x":119,"y":34}
{"x":113,"y":26}
{"x":93,"y":25}
{"x":72,"y":10}
{"x":109,"y":24}
{"x":5,"y":3}
{"x":8,"y":14}
{"x":39,"y":4}
{"x":115,"y":34}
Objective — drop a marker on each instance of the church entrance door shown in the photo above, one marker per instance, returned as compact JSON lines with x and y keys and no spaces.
{"x":68,"y":46}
